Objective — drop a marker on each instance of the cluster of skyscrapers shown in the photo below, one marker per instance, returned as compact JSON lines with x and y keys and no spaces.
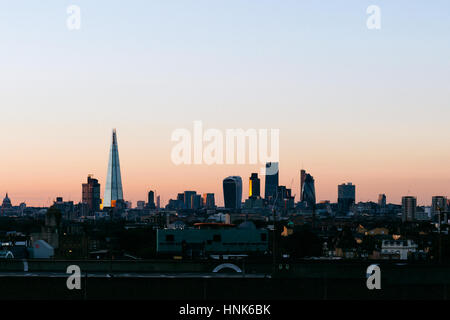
{"x":275,"y":195}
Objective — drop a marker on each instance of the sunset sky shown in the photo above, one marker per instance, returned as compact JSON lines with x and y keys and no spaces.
{"x":370,"y":107}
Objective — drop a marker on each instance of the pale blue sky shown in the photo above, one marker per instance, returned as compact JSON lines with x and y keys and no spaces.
{"x":310,"y":68}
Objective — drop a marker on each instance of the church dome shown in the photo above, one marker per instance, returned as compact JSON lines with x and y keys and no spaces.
{"x":6,"y":202}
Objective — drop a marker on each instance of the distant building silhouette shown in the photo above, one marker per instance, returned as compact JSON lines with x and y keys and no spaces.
{"x":382,"y":200}
{"x":209,"y":201}
{"x":6,"y":204}
{"x":284,"y":197}
{"x":232,"y":192}
{"x":271,"y":186}
{"x":91,"y":194}
{"x":254,"y":186}
{"x":409,"y":207}
{"x":302,"y":181}
{"x":140,"y":205}
{"x":151,"y":200}
{"x":113,"y":188}
{"x":308,"y":191}
{"x":197,"y":201}
{"x":438,"y":204}
{"x":346,"y":196}
{"x":189,"y":200}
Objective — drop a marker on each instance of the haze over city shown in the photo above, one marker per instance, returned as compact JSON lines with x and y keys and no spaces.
{"x":150,"y":68}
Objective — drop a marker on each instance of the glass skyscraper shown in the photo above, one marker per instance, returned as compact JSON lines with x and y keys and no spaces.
{"x":308,"y":194}
{"x":151,"y":200}
{"x":346,"y":196}
{"x":270,"y":190}
{"x":232,"y":192}
{"x":91,"y":194}
{"x":302,"y":181}
{"x":113,"y":188}
{"x":409,"y":207}
{"x":254,"y":186}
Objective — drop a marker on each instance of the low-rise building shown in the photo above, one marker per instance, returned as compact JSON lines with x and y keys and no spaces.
{"x":212,"y":238}
{"x":397,"y":249}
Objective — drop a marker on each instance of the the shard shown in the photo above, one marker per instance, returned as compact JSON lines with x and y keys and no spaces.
{"x":113,"y":188}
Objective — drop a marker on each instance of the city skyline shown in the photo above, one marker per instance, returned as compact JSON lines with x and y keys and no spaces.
{"x":114,"y":178}
{"x":351,"y":104}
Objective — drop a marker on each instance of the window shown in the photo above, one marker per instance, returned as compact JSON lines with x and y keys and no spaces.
{"x":170,"y":237}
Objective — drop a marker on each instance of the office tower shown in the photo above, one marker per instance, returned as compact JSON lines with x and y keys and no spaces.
{"x":308,"y":193}
{"x":180,"y":201}
{"x":271,"y":186}
{"x":209,"y":201}
{"x":289,"y":200}
{"x":346,"y":196}
{"x":254,"y":186}
{"x":140,"y":205}
{"x":232,"y":192}
{"x":151,"y":200}
{"x":382,"y":200}
{"x":284,"y":198}
{"x":409,"y":205}
{"x":438,"y":203}
{"x":281,"y":193}
{"x":302,"y":181}
{"x":197,"y":201}
{"x":66,"y":208}
{"x":91,"y":194}
{"x":158,"y":202}
{"x":189,"y":198}
{"x":113,"y":188}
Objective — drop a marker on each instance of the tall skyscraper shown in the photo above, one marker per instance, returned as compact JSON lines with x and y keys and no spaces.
{"x":270,"y":191}
{"x":189,"y":199}
{"x":438,"y":203}
{"x":308,"y":193}
{"x":91,"y":194}
{"x":180,"y":201}
{"x":151,"y":200}
{"x":409,"y":205}
{"x":209,"y":201}
{"x":346,"y":196}
{"x":232,"y":192}
{"x":113,"y":188}
{"x":382,"y":200}
{"x":254,"y":186}
{"x":302,"y":181}
{"x":198,"y":201}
